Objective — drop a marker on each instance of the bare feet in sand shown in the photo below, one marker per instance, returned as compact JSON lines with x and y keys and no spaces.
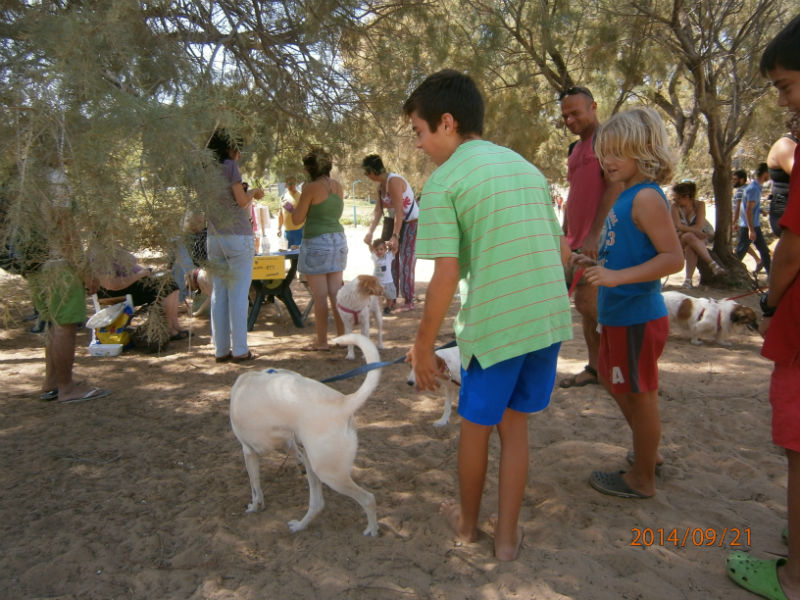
{"x":451,"y":511}
{"x":506,"y":551}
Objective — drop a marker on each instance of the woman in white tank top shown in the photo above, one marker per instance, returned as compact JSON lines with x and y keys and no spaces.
{"x":399,"y":228}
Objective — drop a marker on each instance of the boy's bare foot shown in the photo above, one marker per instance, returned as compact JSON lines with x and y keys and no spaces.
{"x":506,"y":552}
{"x":451,"y":511}
{"x":510,"y":552}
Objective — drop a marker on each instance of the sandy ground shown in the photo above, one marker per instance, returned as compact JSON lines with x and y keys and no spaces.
{"x":142,"y":494}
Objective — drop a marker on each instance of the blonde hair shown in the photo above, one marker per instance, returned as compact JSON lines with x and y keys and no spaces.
{"x":638,"y":133}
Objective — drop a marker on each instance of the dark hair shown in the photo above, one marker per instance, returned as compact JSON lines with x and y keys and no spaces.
{"x":685,"y":188}
{"x":317,"y":162}
{"x":245,"y":185}
{"x":373,"y":165}
{"x":448,"y":91}
{"x":740,"y":173}
{"x":378,"y":242}
{"x":222,"y":142}
{"x":783,"y":50}
{"x":761,"y":169}
{"x":575,"y":89}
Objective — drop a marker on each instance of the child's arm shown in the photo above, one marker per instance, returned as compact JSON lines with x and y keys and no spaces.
{"x":651,"y":216}
{"x":441,"y":289}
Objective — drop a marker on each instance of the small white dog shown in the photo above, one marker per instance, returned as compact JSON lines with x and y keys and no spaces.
{"x":200,"y":280}
{"x":356,"y":300}
{"x":452,"y":383}
{"x":709,"y":318}
{"x":276,"y":406}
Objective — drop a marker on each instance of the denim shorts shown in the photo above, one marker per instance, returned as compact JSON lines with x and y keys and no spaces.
{"x":326,"y":253}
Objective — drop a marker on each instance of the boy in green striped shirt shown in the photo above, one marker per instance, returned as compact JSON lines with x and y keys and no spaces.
{"x":487,"y":220}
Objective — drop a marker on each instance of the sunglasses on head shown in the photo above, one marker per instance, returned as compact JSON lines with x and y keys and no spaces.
{"x":575,"y":90}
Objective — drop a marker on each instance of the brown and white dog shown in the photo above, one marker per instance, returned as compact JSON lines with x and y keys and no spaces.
{"x":708,"y":318}
{"x":355,"y":300}
{"x":276,"y":406}
{"x":451,"y":382}
{"x":199,"y":280}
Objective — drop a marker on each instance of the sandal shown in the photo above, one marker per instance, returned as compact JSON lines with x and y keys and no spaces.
{"x":572,"y":380}
{"x":224,"y":358}
{"x":759,"y":576}
{"x":249,"y":356}
{"x":49,"y":395}
{"x":181,"y":335}
{"x":312,"y":348}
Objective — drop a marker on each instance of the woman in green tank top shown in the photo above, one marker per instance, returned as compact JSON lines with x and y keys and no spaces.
{"x":323,"y":252}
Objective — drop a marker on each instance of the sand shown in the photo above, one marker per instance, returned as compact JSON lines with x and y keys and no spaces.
{"x":142,"y":494}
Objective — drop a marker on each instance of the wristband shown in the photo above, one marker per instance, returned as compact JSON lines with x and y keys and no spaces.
{"x":766,"y":310}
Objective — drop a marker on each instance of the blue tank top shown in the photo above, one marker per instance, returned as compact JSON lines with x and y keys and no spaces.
{"x":625,"y":245}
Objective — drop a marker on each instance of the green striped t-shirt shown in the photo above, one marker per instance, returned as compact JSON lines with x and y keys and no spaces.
{"x":491,"y":209}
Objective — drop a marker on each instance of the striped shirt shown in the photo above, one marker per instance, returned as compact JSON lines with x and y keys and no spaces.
{"x":491,"y":209}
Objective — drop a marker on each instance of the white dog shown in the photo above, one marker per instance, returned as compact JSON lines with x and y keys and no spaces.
{"x":709,"y":318}
{"x":200,"y":280}
{"x":276,"y":406}
{"x":355,"y":300}
{"x":452,"y":383}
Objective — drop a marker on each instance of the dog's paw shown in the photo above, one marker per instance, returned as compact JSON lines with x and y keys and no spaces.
{"x":295,"y":526}
{"x":697,"y":342}
{"x":440,"y":423}
{"x":251,"y":508}
{"x":381,"y":347}
{"x":371,"y":531}
{"x":725,"y":343}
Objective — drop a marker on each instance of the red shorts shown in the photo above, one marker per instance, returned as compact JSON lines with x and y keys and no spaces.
{"x":784,"y":395}
{"x":628,"y":359}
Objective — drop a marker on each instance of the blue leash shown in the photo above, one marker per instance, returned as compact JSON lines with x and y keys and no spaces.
{"x":377,"y":365}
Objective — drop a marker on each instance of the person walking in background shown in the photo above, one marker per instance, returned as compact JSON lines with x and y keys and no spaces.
{"x":323,"y":251}
{"x":750,"y":219}
{"x":294,"y":231}
{"x":399,"y":228}
{"x":487,"y":222}
{"x":779,"y":579}
{"x":231,"y":248}
{"x":780,"y":161}
{"x":589,"y":199}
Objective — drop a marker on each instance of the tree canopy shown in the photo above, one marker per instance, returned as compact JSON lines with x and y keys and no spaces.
{"x":123,"y":94}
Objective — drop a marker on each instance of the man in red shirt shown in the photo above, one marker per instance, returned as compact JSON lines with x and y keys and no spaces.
{"x":780,"y":579}
{"x":588,"y":202}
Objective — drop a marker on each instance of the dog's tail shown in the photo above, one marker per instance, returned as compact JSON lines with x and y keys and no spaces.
{"x":356,"y":399}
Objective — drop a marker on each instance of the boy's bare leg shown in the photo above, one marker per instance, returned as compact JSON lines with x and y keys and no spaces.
{"x":513,"y":430}
{"x":789,"y":574}
{"x":473,"y":456}
{"x":641,"y":412}
{"x":625,"y":403}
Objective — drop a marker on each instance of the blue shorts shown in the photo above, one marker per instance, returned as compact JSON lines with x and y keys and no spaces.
{"x":523,"y":383}
{"x":326,"y":253}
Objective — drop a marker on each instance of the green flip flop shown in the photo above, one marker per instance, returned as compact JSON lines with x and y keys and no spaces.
{"x":756,"y":575}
